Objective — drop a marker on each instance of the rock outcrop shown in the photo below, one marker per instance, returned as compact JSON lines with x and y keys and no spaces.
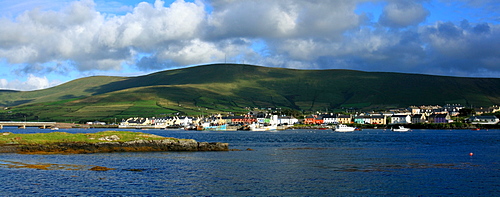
{"x":110,"y":146}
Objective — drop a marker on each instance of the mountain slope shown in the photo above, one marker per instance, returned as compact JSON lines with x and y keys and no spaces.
{"x":232,"y":87}
{"x":74,"y":89}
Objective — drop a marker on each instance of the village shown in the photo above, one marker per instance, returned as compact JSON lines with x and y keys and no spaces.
{"x":265,"y":120}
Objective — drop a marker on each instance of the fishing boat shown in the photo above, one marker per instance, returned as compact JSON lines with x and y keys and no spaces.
{"x":212,"y":127}
{"x":265,"y":125}
{"x":343,"y":128}
{"x":262,"y":127}
{"x":400,"y":129}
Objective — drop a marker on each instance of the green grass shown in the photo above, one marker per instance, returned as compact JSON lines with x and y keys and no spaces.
{"x":62,"y":137}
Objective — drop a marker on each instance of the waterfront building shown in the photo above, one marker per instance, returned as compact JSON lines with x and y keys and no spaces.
{"x":96,"y":123}
{"x":439,"y":118}
{"x":483,"y":120}
{"x":243,"y":120}
{"x":136,"y":122}
{"x":314,"y":119}
{"x":378,"y":119}
{"x":330,"y":119}
{"x":400,"y":119}
{"x":418,"y":118}
{"x":362,"y":119}
{"x":344,"y":119}
{"x":287,"y":120}
{"x":370,"y":119}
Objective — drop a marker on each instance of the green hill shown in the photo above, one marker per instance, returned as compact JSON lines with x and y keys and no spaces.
{"x":237,"y":88}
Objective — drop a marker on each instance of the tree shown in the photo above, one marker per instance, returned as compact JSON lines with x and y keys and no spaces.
{"x":466,"y":112}
{"x":291,"y":112}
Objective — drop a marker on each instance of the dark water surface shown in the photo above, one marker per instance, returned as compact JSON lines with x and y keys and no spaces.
{"x":284,"y":163}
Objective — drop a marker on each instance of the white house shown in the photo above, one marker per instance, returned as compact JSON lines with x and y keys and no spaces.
{"x":96,"y":123}
{"x":483,"y":120}
{"x":400,"y":119}
{"x":136,"y":122}
{"x":287,"y":120}
{"x":330,"y":119}
{"x":170,"y":121}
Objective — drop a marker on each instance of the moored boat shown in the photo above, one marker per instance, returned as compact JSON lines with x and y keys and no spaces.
{"x":215,"y":127}
{"x":400,"y":129}
{"x":343,"y":128}
{"x":261,"y":127}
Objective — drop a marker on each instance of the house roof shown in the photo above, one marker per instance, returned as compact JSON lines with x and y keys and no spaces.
{"x":483,"y":117}
{"x":438,"y":116}
{"x":329,"y":116}
{"x":417,"y":115}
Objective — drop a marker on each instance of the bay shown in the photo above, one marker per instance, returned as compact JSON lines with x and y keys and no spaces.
{"x":282,"y":163}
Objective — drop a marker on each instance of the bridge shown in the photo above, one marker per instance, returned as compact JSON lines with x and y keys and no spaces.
{"x":23,"y":125}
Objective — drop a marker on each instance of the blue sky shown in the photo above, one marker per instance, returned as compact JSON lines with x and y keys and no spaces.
{"x":44,"y":43}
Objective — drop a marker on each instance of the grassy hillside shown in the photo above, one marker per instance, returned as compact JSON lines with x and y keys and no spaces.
{"x":236,"y":88}
{"x":74,"y":89}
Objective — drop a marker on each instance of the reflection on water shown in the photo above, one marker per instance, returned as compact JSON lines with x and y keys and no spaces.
{"x":285,"y":163}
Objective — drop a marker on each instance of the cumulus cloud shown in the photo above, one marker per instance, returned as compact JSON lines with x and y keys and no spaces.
{"x":32,"y":83}
{"x":283,"y":18}
{"x":403,"y":13}
{"x":93,"y":42}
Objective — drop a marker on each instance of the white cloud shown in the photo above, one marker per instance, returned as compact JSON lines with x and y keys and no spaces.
{"x":283,"y":18}
{"x":93,"y":42}
{"x":403,"y":13}
{"x":32,"y":83}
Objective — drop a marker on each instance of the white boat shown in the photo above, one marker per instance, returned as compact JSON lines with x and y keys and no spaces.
{"x":270,"y":125}
{"x":401,"y":129}
{"x":261,"y":127}
{"x":343,"y":128}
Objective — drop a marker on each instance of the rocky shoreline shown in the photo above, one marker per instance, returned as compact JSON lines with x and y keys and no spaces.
{"x":107,"y":147}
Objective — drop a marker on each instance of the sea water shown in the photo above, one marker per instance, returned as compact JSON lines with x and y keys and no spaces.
{"x":282,"y":163}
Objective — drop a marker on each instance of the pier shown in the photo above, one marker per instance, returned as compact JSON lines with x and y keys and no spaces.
{"x":23,"y":125}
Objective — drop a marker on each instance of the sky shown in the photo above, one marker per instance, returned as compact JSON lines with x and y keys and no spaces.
{"x":44,"y":43}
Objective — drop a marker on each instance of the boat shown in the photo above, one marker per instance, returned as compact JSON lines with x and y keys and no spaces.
{"x":343,"y":128}
{"x":215,"y":127}
{"x":400,"y":129}
{"x":262,"y":127}
{"x":271,"y":125}
{"x":193,"y":127}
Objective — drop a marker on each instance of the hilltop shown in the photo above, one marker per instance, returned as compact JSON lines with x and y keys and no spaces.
{"x":237,"y":88}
